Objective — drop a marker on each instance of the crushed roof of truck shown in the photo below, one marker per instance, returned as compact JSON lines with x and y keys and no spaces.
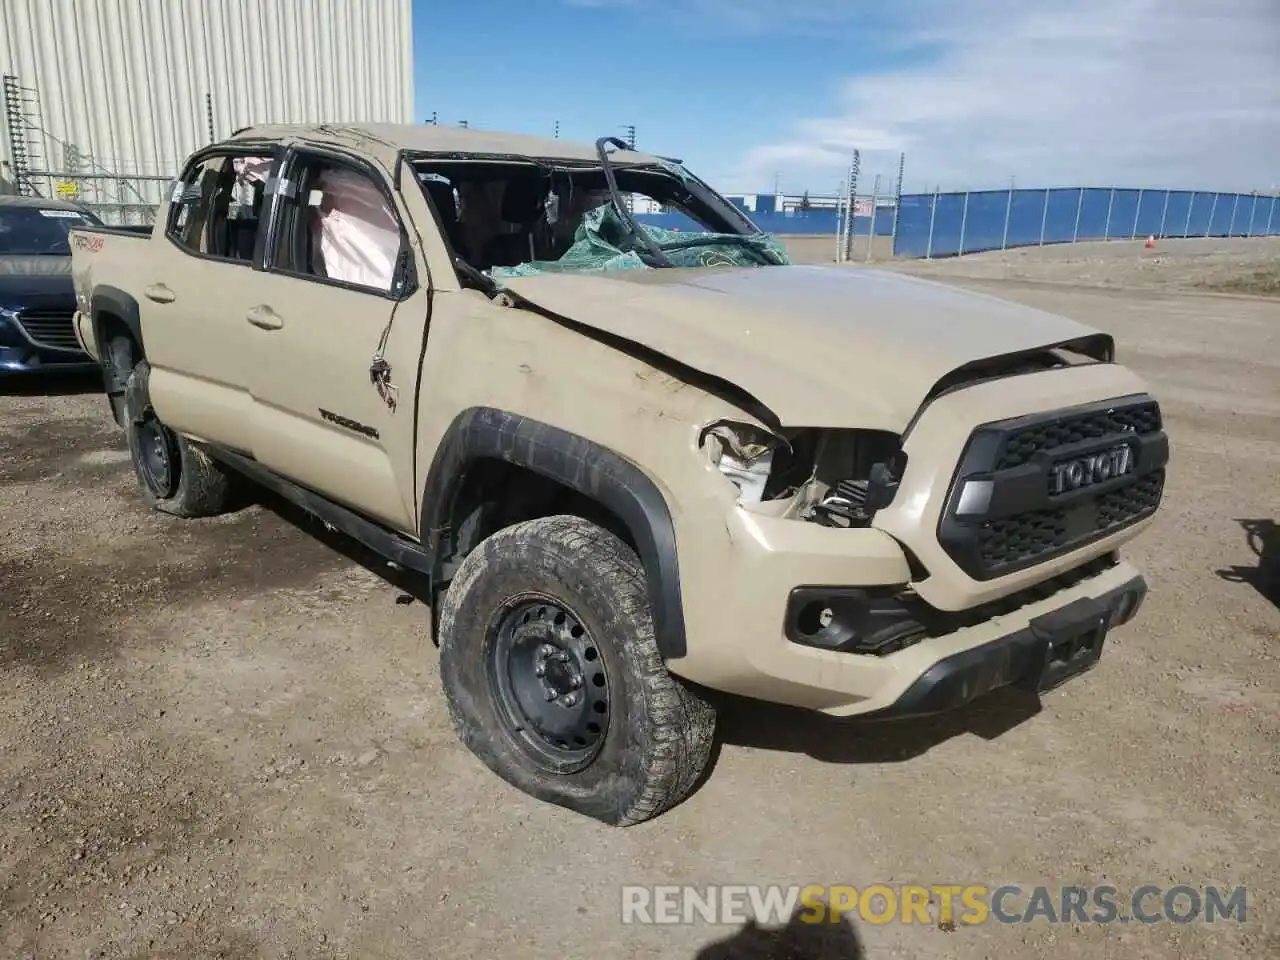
{"x":391,"y":138}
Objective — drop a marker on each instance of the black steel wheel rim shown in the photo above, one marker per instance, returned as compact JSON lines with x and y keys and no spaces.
{"x":549,"y":683}
{"x":157,"y":455}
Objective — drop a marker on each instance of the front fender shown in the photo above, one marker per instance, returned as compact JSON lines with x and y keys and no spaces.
{"x":580,"y":464}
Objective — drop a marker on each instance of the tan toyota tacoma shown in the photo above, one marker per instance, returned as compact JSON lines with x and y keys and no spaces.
{"x":632,"y":465}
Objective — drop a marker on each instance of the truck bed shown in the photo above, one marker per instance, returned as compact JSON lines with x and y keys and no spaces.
{"x":104,"y":257}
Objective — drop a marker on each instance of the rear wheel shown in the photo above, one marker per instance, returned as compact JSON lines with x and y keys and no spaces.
{"x":554,"y":680}
{"x":174,"y":476}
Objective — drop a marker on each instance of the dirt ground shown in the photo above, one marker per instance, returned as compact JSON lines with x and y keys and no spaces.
{"x":226,"y":738}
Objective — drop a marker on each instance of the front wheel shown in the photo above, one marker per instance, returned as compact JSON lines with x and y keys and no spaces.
{"x":174,"y":476}
{"x":554,"y":680}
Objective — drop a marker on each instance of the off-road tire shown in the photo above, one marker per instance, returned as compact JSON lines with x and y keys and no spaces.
{"x":202,"y":488}
{"x":660,"y":732}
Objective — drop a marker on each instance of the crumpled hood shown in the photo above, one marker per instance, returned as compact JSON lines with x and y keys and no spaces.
{"x":819,"y":346}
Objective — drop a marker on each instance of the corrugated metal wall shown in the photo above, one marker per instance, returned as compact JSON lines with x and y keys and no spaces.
{"x":123,"y":82}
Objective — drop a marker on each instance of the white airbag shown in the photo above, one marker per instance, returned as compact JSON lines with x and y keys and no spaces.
{"x":355,"y":230}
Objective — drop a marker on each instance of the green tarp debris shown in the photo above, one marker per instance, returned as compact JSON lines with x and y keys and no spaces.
{"x":596,"y":247}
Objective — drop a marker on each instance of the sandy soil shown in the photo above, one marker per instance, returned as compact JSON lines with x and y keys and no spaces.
{"x":226,"y":738}
{"x":1220,"y":264}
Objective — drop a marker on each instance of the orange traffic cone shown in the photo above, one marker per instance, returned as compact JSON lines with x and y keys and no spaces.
{"x":1151,"y":242}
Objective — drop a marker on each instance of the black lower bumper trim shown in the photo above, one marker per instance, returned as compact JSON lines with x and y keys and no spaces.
{"x":1050,"y":650}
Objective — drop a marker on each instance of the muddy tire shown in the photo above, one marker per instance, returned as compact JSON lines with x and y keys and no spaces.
{"x":173,"y":476}
{"x":554,"y":680}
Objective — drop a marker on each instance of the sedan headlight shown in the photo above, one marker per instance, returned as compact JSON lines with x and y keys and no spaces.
{"x":743,"y":452}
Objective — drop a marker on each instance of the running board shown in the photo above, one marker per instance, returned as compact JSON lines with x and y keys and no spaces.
{"x":394,"y":547}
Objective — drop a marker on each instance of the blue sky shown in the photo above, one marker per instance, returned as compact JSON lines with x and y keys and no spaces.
{"x":1177,"y":93}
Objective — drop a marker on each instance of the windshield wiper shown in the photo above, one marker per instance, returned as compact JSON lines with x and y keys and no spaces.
{"x":655,"y":252}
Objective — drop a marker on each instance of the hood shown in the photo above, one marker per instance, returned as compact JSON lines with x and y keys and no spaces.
{"x":36,"y":283}
{"x":819,"y":346}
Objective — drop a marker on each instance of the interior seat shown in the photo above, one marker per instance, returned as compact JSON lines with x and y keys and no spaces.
{"x":521,"y":208}
{"x":441,"y":193}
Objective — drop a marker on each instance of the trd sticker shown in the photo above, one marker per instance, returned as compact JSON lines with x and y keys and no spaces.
{"x":92,"y":244}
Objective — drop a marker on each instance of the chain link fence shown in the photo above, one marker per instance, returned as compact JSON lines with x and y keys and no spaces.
{"x":118,"y":199}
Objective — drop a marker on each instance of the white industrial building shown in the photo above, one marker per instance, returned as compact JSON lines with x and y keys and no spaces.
{"x":104,"y":93}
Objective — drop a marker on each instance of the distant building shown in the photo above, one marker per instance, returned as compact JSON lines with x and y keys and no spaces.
{"x":111,"y":97}
{"x":789,"y":204}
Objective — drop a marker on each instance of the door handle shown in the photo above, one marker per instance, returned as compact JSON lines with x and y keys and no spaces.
{"x":264,"y":318}
{"x":160,"y":293}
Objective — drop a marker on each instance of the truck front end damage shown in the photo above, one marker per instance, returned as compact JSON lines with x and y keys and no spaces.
{"x":905,"y":574}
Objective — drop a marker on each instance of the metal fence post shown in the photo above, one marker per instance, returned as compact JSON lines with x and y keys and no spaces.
{"x":1111,"y":199}
{"x":964,"y":221}
{"x":933,"y":214}
{"x":853,"y":199}
{"x":897,"y":206}
{"x":1008,"y":211}
{"x":1271,"y":213}
{"x":1075,"y":234}
{"x":1213,"y":209}
{"x":1137,"y":212}
{"x":1044,"y":215}
{"x":1186,"y":228}
{"x":1252,"y":210}
{"x":839,"y":222}
{"x":1164,"y":212}
{"x":875,"y":207}
{"x":1235,"y":202}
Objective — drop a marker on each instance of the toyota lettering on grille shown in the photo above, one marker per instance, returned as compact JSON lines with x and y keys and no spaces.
{"x":1092,"y":469}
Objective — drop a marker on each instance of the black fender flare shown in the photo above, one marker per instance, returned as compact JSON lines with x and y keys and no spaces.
{"x":115,"y":301}
{"x":581,"y":465}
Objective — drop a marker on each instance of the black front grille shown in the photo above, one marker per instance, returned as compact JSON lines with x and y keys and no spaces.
{"x":1022,"y":444}
{"x":50,"y":328}
{"x":1032,"y":515}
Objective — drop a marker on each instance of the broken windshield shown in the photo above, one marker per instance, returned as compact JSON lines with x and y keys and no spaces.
{"x":518,"y":216}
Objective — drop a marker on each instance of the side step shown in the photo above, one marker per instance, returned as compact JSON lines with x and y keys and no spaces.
{"x":394,"y":547}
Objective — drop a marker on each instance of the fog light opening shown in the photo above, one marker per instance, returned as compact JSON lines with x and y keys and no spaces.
{"x":814,"y":618}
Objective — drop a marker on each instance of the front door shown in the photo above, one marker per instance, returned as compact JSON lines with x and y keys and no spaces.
{"x":327,"y":414}
{"x":195,"y":288}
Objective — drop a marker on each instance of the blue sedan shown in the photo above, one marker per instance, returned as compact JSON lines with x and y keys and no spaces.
{"x":37,"y":302}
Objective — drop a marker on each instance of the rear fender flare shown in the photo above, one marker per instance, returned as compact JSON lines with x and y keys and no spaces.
{"x":114,"y":301}
{"x":580,"y":464}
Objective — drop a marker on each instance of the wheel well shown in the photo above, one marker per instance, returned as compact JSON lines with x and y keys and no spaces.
{"x":117,"y":362}
{"x":495,"y":494}
{"x":110,"y":327}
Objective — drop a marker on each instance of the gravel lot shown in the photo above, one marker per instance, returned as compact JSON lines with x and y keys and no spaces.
{"x":226,"y":738}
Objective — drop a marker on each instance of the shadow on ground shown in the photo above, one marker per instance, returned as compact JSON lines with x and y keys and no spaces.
{"x":768,"y":726}
{"x":1263,"y":538}
{"x":829,"y":939}
{"x":412,"y":586}
{"x":51,"y":383}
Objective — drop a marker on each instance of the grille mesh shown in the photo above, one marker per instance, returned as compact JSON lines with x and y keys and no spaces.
{"x":50,"y":328}
{"x":1020,"y":447}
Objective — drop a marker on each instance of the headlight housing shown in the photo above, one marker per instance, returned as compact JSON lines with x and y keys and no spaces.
{"x":743,"y":452}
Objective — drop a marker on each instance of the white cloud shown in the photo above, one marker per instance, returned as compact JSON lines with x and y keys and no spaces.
{"x":1180,"y":93}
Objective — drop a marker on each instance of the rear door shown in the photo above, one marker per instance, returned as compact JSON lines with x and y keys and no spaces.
{"x":334,"y":380}
{"x":197,"y":284}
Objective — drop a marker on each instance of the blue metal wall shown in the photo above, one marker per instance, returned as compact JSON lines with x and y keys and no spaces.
{"x":813,"y":223}
{"x":947,"y":224}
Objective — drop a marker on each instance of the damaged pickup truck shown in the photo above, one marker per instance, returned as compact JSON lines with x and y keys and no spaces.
{"x":632,"y":466}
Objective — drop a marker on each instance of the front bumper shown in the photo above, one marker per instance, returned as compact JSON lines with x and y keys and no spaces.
{"x":19,"y":354}
{"x":1050,"y":650}
{"x":744,"y":642}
